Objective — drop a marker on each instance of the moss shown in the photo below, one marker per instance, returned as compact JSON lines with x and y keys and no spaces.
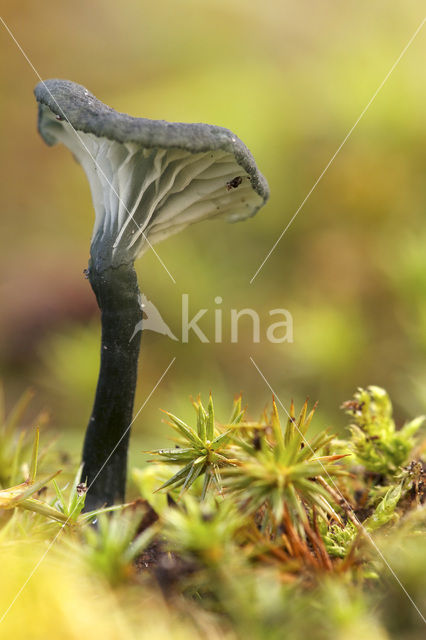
{"x":289,"y":536}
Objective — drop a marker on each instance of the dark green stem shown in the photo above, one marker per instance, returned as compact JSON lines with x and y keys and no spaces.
{"x":107,"y":437}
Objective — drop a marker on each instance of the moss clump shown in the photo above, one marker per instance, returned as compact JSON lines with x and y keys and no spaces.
{"x":244,"y":529}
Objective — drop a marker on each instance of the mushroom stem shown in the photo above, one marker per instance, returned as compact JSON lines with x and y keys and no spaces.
{"x":107,"y":436}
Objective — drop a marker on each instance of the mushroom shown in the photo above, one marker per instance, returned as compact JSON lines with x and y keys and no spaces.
{"x":149,"y":179}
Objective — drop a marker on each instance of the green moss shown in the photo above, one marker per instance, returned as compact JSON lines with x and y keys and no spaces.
{"x":375,"y":441}
{"x":248,"y":529}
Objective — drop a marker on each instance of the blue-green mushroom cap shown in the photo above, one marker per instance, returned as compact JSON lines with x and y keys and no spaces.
{"x":148,"y":178}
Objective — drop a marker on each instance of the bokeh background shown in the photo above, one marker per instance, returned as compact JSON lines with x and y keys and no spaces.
{"x":290,"y":77}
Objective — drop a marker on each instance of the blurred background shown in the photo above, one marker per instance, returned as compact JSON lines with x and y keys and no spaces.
{"x":290,"y":77}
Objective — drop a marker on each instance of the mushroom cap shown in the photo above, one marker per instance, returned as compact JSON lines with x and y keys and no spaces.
{"x":149,"y":178}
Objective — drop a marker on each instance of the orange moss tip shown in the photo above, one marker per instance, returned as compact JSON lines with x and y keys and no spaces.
{"x":338,"y":456}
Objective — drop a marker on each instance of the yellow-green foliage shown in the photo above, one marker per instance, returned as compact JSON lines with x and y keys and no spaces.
{"x":16,"y":442}
{"x":200,"y":451}
{"x":206,"y":530}
{"x":110,"y":547}
{"x":376,"y":443}
{"x":278,"y":543}
{"x":278,"y":468}
{"x":64,"y":600}
{"x":68,"y":511}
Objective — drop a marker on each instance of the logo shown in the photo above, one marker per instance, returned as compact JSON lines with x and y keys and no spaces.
{"x":276,"y":332}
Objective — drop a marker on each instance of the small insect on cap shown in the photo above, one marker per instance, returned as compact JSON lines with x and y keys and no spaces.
{"x":149,"y":178}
